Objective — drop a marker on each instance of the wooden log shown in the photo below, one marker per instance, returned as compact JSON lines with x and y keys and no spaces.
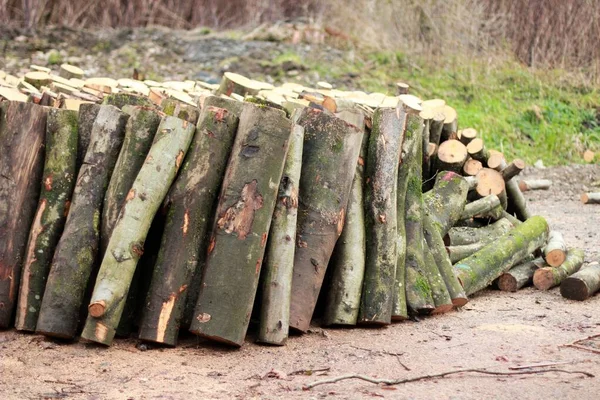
{"x":232,"y":83}
{"x":240,"y":232}
{"x":511,"y":218}
{"x":446,"y":201}
{"x":513,"y":169}
{"x":590,"y":198}
{"x":480,"y":207}
{"x":427,"y":116}
{"x":279,"y":261}
{"x":348,"y":258}
{"x":582,"y":284}
{"x":548,"y":277}
{"x":467,"y":135}
{"x":330,"y":146}
{"x":22,"y":137}
{"x":489,"y":182}
{"x":385,"y":144}
{"x":402,"y":88}
{"x":516,"y":202}
{"x":555,"y":251}
{"x":519,"y":276}
{"x":75,"y":254}
{"x":460,"y":252}
{"x":451,"y":156}
{"x":68,"y":71}
{"x":190,"y":206}
{"x":179,"y":109}
{"x":38,"y":78}
{"x":534,"y":184}
{"x":87,"y":116}
{"x":123,"y":99}
{"x":462,"y":235}
{"x":435,"y":128}
{"x":439,"y":291}
{"x":478,"y":151}
{"x":480,"y":269}
{"x":588,"y":156}
{"x":139,"y":134}
{"x":450,"y":124}
{"x":472,"y":167}
{"x":53,"y":206}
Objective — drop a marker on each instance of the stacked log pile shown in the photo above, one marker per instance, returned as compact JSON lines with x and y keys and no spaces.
{"x":260,"y":200}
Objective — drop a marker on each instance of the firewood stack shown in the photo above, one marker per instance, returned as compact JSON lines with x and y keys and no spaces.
{"x":145,"y":208}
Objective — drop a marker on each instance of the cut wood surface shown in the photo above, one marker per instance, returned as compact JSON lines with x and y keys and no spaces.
{"x":477,"y":150}
{"x":555,"y":252}
{"x":451,"y":156}
{"x":467,"y":135}
{"x":56,"y":189}
{"x":22,"y":139}
{"x":519,"y":276}
{"x":446,"y":201}
{"x":582,"y":284}
{"x":472,"y":167}
{"x":548,"y":277}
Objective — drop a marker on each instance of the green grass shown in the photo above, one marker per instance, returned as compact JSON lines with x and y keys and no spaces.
{"x":523,"y":113}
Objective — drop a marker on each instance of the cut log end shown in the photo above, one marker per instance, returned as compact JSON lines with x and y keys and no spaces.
{"x":574,"y":289}
{"x":97,"y":308}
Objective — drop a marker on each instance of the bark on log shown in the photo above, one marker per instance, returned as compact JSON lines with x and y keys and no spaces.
{"x":232,"y":83}
{"x":590,"y":198}
{"x":123,"y":99}
{"x":330,"y":146}
{"x":385,"y":144}
{"x":439,"y":291}
{"x":349,"y":254}
{"x":87,"y":116}
{"x":190,"y":206}
{"x":179,"y":109}
{"x":435,"y":128}
{"x":139,"y":134}
{"x":480,"y":207}
{"x":480,"y":269}
{"x":582,"y":284}
{"x":75,"y":255}
{"x":519,"y":276}
{"x":450,"y":124}
{"x":279,"y":262}
{"x":462,"y":235}
{"x":460,"y":252}
{"x":534,"y":184}
{"x":516,"y":202}
{"x":555,"y":251}
{"x":446,"y":201}
{"x":513,"y":169}
{"x":467,"y":135}
{"x":240,"y":233}
{"x":548,"y":277}
{"x":56,"y":189}
{"x":126,"y":245}
{"x":478,"y":151}
{"x":22,"y":138}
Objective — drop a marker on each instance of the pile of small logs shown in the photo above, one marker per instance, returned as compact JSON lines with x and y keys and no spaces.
{"x":146,"y":208}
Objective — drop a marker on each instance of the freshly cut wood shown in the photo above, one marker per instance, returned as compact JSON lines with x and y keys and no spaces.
{"x":232,"y":83}
{"x":513,"y":169}
{"x":588,"y":156}
{"x":467,"y":135}
{"x":582,"y":284}
{"x":464,"y":235}
{"x":480,"y":269}
{"x":548,"y":277}
{"x":240,"y":232}
{"x":279,"y":262}
{"x":496,"y":161}
{"x":123,"y":99}
{"x":68,"y":71}
{"x":22,"y":138}
{"x":435,"y":127}
{"x":348,"y":259}
{"x":450,"y":123}
{"x":87,"y":116}
{"x":126,"y":245}
{"x":57,"y":186}
{"x":10,"y":94}
{"x":179,"y":109}
{"x":472,"y":167}
{"x":477,"y":150}
{"x":519,"y":276}
{"x":402,"y":88}
{"x":489,"y":182}
{"x":451,"y":156}
{"x":555,"y":251}
{"x":75,"y":254}
{"x":460,"y":252}
{"x":590,"y":198}
{"x":102,"y":84}
{"x":38,"y":78}
{"x":516,"y":202}
{"x":433,"y":104}
{"x":534,"y":184}
{"x":446,"y":201}
{"x":385,"y":145}
{"x":439,"y":292}
{"x":330,"y":146}
{"x":190,"y":204}
{"x":139,"y":134}
{"x":480,"y":207}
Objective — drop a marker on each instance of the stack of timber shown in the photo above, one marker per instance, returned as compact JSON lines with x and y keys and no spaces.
{"x":260,"y":200}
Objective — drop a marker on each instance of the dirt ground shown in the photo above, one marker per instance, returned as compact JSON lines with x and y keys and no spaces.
{"x":495,"y":331}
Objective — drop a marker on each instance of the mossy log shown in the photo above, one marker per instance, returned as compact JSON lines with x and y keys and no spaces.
{"x":384,"y":151}
{"x":548,"y":277}
{"x":126,"y":244}
{"x":480,"y":207}
{"x":519,"y":276}
{"x":123,"y":99}
{"x":439,"y":292}
{"x":87,"y":115}
{"x":75,"y":255}
{"x":57,"y":187}
{"x":22,"y":139}
{"x":443,"y":262}
{"x":179,"y":109}
{"x":139,"y":134}
{"x":582,"y":284}
{"x":480,"y":269}
{"x":555,"y":251}
{"x":279,"y":262}
{"x":460,"y":252}
{"x":463,"y":235}
{"x":348,"y":259}
{"x":190,"y":206}
{"x":446,"y":201}
{"x":330,"y":146}
{"x":240,"y":232}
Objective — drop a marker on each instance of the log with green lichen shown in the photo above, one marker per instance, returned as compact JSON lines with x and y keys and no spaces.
{"x":480,"y":269}
{"x":548,"y":277}
{"x":519,"y":276}
{"x":22,"y":138}
{"x":190,"y":204}
{"x":179,"y":109}
{"x":464,"y":235}
{"x":139,"y":134}
{"x":446,"y":201}
{"x":126,"y":244}
{"x":279,"y":262}
{"x":439,"y":292}
{"x":123,"y":99}
{"x":56,"y":190}
{"x":480,"y":207}
{"x":383,"y":153}
{"x":330,"y":146}
{"x":460,"y":252}
{"x":348,"y":259}
{"x":582,"y":284}
{"x":75,"y":254}
{"x":240,"y":232}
